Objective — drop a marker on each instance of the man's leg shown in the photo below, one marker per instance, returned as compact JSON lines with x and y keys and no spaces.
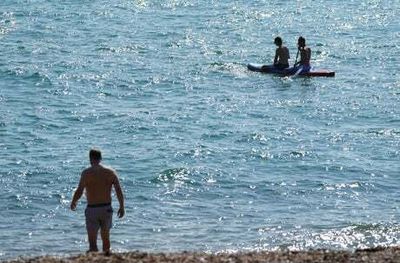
{"x":92,"y":228}
{"x":105,"y":226}
{"x":92,"y":236}
{"x":105,"y":236}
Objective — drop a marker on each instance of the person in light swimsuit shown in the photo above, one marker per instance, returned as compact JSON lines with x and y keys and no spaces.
{"x":305,"y":55}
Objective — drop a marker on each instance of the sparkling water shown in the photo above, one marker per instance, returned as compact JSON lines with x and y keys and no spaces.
{"x":211,"y":157}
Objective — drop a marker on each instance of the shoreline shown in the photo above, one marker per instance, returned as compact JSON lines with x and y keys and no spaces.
{"x":379,"y":254}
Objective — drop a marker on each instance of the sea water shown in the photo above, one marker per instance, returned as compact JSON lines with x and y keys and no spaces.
{"x":211,"y":157}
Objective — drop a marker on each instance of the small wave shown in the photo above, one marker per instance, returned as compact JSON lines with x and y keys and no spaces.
{"x":236,"y":69}
{"x":262,"y":154}
{"x":384,"y":132}
{"x":267,"y":155}
{"x":123,"y":49}
{"x":31,"y":76}
{"x":361,"y":236}
{"x":358,"y":236}
{"x":7,"y":23}
{"x":199,"y":151}
{"x":173,"y":174}
{"x":341,"y":186}
{"x":217,"y":135}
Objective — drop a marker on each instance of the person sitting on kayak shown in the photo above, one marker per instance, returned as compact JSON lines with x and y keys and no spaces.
{"x":282,"y":56}
{"x":281,"y":60}
{"x":305,"y":56}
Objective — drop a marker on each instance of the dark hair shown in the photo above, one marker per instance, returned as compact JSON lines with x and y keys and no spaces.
{"x":95,"y":154}
{"x":278,"y":41}
{"x":302,"y":40}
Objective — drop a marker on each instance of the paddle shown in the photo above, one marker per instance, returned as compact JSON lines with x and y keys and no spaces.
{"x":300,"y":68}
{"x":297,"y":55}
{"x":298,"y":71}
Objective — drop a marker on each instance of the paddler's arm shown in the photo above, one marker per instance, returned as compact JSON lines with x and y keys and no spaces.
{"x":276,"y":57}
{"x":120,"y":196}
{"x":78,"y":193}
{"x":301,"y":51}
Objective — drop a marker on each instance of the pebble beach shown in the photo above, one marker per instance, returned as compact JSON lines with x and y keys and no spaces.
{"x":391,"y":254}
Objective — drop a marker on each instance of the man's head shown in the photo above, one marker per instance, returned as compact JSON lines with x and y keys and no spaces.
{"x":278,"y":41}
{"x":95,"y":156}
{"x":301,"y":42}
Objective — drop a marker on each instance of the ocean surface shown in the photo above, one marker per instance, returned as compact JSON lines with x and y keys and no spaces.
{"x":211,"y":157}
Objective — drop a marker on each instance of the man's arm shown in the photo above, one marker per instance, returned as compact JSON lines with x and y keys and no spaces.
{"x":78,"y":193}
{"x":309,"y":55}
{"x":120,"y":196}
{"x":276,"y":56}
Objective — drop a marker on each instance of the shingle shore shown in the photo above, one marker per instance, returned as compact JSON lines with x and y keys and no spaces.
{"x":391,"y":254}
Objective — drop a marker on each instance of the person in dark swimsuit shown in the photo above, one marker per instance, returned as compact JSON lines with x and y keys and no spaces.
{"x":281,"y":60}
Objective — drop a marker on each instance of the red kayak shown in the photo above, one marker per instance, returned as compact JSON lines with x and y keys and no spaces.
{"x":290,"y":71}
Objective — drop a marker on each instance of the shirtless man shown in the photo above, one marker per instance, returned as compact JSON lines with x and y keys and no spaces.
{"x":281,"y":60}
{"x":98,"y":181}
{"x":305,"y":55}
{"x":282,"y":56}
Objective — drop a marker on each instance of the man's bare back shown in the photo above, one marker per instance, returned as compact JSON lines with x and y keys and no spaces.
{"x":282,"y":55}
{"x":98,"y":181}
